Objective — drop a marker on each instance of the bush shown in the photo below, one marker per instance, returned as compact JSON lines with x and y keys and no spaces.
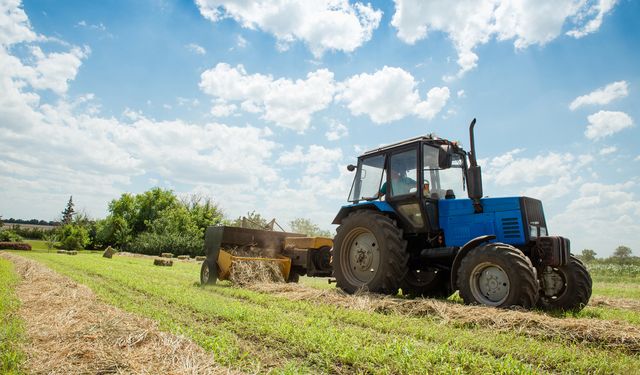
{"x":73,"y":237}
{"x":9,"y":236}
{"x":15,"y":246}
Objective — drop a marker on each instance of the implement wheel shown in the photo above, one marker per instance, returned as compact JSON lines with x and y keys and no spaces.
{"x":369,"y":253}
{"x":565,"y":288}
{"x":499,"y":275}
{"x":431,"y":283}
{"x":208,"y":274}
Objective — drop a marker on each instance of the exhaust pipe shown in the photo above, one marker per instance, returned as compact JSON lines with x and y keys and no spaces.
{"x":474,"y":174}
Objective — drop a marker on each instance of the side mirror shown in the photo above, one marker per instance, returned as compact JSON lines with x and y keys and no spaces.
{"x":445,"y":155}
{"x":351,"y":167}
{"x":474,"y":182}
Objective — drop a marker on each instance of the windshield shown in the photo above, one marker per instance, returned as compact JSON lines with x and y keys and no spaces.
{"x":442,"y":180}
{"x":366,"y":183}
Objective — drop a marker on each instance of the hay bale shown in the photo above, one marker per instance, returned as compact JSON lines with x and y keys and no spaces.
{"x":61,"y":251}
{"x":109,"y":252}
{"x":72,"y":252}
{"x":201,"y":258}
{"x":166,"y":255}
{"x":163,"y":262}
{"x":255,"y":272}
{"x":184,"y":257}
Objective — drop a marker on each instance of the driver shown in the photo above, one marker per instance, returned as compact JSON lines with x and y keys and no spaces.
{"x":400,"y":184}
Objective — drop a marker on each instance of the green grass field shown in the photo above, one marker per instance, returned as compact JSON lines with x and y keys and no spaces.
{"x":261,"y":332}
{"x":11,"y":330}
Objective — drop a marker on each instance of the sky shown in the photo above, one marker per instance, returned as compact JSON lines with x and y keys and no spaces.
{"x":261,"y":104}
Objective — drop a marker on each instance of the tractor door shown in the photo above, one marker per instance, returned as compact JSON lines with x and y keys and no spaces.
{"x":402,"y":188}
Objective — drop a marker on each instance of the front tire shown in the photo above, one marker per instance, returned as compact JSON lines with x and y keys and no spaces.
{"x":499,"y":275}
{"x":369,"y":253}
{"x":565,"y":288}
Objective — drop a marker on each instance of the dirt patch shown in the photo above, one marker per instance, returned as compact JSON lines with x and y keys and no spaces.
{"x":71,"y":332}
{"x":617,"y":303}
{"x":603,"y":333}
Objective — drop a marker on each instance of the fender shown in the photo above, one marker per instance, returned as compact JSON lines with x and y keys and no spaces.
{"x":463,"y":252}
{"x":371,"y":205}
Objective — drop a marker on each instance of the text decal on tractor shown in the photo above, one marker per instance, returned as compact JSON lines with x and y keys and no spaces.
{"x":406,"y":228}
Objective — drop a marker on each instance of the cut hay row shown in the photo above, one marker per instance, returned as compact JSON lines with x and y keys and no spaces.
{"x":608,"y":334}
{"x":616,"y":303}
{"x":70,"y":331}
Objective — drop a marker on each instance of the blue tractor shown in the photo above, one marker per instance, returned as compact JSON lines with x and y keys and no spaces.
{"x":407,"y":229}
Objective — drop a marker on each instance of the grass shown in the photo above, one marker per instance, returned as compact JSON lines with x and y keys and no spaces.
{"x":259,"y":332}
{"x":11,"y":329}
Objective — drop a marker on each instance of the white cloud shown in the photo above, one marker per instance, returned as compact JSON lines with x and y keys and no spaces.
{"x":390,"y":94}
{"x":637,"y":158}
{"x":507,"y":169}
{"x":605,"y":123}
{"x":287,"y":103}
{"x":602,"y":96}
{"x":597,"y":11}
{"x":461,"y":94}
{"x":613,"y":208}
{"x":336,"y":131}
{"x":14,"y":24}
{"x":318,"y":159}
{"x":322,"y":24}
{"x":470,"y":23}
{"x":241,"y":42}
{"x":222,"y":109}
{"x":608,"y":150}
{"x":196,"y":48}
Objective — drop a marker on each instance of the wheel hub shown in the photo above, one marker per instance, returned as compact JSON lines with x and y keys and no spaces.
{"x":363,"y":256}
{"x":554,"y":282}
{"x":490,"y":284}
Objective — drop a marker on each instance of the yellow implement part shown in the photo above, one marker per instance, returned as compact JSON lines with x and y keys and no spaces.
{"x":225,"y":260}
{"x":307,"y":242}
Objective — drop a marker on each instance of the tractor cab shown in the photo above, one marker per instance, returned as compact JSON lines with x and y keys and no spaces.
{"x":411,"y":177}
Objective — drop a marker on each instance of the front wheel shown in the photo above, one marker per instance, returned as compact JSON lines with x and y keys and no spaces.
{"x":369,"y":253}
{"x":566,"y":287}
{"x":499,"y":275}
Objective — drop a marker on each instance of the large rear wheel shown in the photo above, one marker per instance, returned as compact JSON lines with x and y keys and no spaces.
{"x":566,"y":287}
{"x":369,"y":253}
{"x":497,"y":274}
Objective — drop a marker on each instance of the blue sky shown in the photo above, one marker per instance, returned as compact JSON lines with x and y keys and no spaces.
{"x":260,"y":105}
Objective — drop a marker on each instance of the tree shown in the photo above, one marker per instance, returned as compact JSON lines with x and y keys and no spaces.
{"x":305,"y":226}
{"x":588,"y":255}
{"x":622,"y":252}
{"x":73,"y":237}
{"x":253,"y":220}
{"x":67,"y":214}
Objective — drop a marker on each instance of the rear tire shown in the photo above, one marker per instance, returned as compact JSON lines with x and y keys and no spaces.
{"x":499,"y":275}
{"x":369,"y":253}
{"x":566,"y":288}
{"x":430,"y":283}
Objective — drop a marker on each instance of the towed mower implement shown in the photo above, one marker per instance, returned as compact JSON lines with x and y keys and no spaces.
{"x":294,"y":253}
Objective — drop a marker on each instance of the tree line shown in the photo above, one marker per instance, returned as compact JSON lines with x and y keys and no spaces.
{"x":153,"y":222}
